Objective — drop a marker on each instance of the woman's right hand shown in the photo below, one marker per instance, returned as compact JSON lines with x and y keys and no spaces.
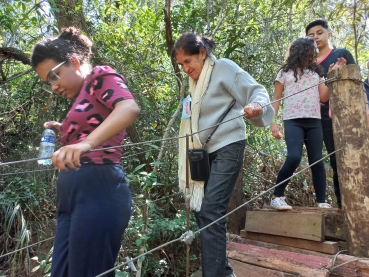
{"x":53,"y":124}
{"x":276,"y":130}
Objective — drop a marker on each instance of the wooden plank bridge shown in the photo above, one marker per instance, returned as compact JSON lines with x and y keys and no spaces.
{"x":301,"y":242}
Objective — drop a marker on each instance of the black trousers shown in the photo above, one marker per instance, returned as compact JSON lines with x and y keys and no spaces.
{"x":329,"y":146}
{"x":297,"y":132}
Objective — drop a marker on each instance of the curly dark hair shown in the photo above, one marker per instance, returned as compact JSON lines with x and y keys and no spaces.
{"x":302,"y":55}
{"x":70,"y":42}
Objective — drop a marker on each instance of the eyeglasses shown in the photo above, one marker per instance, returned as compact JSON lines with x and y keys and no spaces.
{"x":52,"y":76}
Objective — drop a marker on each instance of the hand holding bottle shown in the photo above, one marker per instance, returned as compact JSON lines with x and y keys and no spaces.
{"x":53,"y":124}
{"x":47,"y":146}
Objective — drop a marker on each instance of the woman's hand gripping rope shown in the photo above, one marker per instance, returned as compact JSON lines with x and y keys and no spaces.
{"x":252,"y":109}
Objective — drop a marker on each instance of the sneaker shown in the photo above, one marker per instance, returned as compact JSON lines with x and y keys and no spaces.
{"x":280,"y":204}
{"x":231,"y":275}
{"x":324,"y":205}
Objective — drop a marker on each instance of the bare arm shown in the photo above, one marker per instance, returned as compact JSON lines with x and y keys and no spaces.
{"x":323,"y":93}
{"x":124,"y":114}
{"x":278,"y":92}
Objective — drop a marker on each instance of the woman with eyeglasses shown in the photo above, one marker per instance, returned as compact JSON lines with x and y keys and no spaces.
{"x":94,"y":202}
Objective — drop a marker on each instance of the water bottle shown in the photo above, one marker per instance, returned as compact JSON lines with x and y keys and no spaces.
{"x":47,"y":146}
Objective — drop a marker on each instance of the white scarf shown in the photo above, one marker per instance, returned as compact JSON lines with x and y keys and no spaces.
{"x":197,"y":90}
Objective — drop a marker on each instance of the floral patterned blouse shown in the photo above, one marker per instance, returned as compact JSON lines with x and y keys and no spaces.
{"x":305,"y":104}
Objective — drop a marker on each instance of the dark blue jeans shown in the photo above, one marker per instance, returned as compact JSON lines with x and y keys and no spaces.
{"x":94,"y":207}
{"x":329,"y":146}
{"x":225,"y":165}
{"x":297,"y":132}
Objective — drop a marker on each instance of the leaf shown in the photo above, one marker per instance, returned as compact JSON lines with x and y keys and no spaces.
{"x":35,"y":268}
{"x":147,"y":155}
{"x":139,"y":167}
{"x":154,"y":146}
{"x":121,"y":273}
{"x":138,"y":242}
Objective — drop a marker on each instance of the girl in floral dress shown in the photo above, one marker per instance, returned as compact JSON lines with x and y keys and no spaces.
{"x":301,"y":117}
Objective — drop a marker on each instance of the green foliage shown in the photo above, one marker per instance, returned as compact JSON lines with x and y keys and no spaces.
{"x":130,"y":36}
{"x":162,"y":228}
{"x":44,"y":263}
{"x":25,"y":191}
{"x":25,"y":207}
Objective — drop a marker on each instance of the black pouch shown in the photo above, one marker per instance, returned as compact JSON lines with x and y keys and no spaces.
{"x":199,"y":164}
{"x":199,"y":159}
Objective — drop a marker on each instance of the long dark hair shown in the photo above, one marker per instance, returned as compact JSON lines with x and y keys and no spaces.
{"x":70,"y":42}
{"x":302,"y":55}
{"x":191,"y":44}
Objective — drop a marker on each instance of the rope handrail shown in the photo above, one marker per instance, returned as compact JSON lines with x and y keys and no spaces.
{"x":178,"y":137}
{"x":185,"y":235}
{"x":264,"y":192}
{"x":46,"y":169}
{"x":28,"y":246}
{"x":36,"y":243}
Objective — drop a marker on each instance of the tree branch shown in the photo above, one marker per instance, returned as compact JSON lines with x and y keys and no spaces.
{"x":170,"y":124}
{"x":13,"y":53}
{"x":170,"y":41}
{"x":220,"y":18}
{"x":15,"y":76}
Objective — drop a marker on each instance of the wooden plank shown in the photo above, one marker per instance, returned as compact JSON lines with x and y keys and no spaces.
{"x":334,"y":219}
{"x":290,"y":262}
{"x":243,"y":269}
{"x":335,"y":226}
{"x":270,"y":245}
{"x":308,"y":226}
{"x":328,"y":247}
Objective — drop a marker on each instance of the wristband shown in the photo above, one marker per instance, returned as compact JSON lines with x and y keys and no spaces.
{"x":274,"y":121}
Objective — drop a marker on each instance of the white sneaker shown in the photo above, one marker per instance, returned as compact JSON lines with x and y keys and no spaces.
{"x":324,"y":205}
{"x":280,"y":204}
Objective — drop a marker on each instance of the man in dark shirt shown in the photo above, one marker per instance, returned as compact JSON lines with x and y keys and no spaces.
{"x":320,"y":31}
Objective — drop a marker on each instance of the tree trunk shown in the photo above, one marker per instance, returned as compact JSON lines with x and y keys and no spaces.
{"x":237,"y":219}
{"x":170,"y":42}
{"x":351,"y":133}
{"x":68,"y":15}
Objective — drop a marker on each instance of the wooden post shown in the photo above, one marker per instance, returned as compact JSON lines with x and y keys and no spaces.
{"x":237,"y":219}
{"x":351,"y":133}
